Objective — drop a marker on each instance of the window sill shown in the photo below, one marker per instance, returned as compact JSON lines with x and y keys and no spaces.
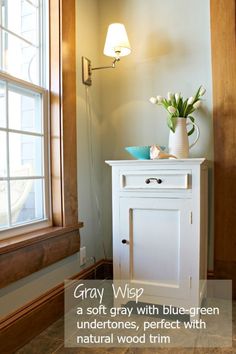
{"x":16,"y":242}
{"x":27,"y":253}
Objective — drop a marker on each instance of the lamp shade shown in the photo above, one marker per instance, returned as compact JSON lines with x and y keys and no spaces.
{"x":117,"y":42}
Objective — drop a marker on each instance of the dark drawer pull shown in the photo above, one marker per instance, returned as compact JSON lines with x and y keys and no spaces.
{"x":158,"y":180}
{"x":125,"y":242}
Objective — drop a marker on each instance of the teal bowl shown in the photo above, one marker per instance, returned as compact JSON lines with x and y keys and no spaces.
{"x":139,"y":152}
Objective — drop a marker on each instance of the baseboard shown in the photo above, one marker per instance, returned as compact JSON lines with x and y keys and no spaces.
{"x":226,"y":270}
{"x":27,"y":322}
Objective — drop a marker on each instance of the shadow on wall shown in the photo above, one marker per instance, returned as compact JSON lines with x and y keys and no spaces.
{"x":130,"y":129}
{"x":157,"y":45}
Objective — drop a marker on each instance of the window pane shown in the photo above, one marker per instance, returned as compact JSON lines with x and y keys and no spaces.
{"x":19,"y":58}
{"x":23,"y":55}
{"x":29,"y":21}
{"x":21,"y":17}
{"x":3,"y":204}
{"x":25,"y":155}
{"x":26,"y":201}
{"x":3,"y":157}
{"x":24,"y":111}
{"x":2,"y":105}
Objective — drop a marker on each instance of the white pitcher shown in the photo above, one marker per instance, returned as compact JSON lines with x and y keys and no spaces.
{"x":178,"y":141}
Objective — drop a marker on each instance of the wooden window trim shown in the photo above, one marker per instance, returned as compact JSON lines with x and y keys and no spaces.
{"x":20,"y":241}
{"x":63,"y":112}
{"x":25,"y":260}
{"x":65,"y":225}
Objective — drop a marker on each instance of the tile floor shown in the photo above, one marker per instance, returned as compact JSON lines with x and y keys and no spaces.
{"x":51,"y":341}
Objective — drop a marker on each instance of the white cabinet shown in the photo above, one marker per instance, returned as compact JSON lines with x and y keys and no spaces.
{"x":160,"y":228}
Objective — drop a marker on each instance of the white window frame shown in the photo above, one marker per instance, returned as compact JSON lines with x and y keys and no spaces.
{"x":33,"y":225}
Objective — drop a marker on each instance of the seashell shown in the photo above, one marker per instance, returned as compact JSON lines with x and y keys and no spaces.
{"x":156,"y":153}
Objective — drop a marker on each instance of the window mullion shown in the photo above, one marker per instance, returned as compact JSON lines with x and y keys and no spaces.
{"x":39,"y":39}
{"x":45,"y":152}
{"x":1,"y":39}
{"x":27,"y":177}
{"x":19,"y":82}
{"x":8,"y":160}
{"x":8,"y":31}
{"x":25,"y":132}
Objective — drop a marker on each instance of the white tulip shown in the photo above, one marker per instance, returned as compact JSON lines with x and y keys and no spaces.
{"x":159,"y":99}
{"x":190,"y":100}
{"x":202,"y":91}
{"x":169,"y":96}
{"x":197,"y":104}
{"x":153,"y":100}
{"x":177,"y":96}
{"x":171,"y":109}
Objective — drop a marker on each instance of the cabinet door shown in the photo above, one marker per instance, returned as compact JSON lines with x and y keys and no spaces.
{"x":158,"y":253}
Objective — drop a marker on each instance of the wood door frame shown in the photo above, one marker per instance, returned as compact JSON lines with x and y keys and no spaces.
{"x":223,"y":39}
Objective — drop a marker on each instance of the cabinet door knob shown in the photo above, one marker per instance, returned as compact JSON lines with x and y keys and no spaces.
{"x":158,"y":180}
{"x":125,"y":242}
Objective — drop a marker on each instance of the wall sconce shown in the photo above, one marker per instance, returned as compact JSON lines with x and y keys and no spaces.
{"x":116,"y":46}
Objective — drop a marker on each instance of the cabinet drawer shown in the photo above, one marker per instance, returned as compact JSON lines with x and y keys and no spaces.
{"x":155,"y":180}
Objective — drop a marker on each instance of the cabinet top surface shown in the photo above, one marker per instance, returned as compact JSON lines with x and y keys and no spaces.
{"x":194,"y":161}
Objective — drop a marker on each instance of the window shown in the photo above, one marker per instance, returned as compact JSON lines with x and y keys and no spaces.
{"x":24,"y":148}
{"x":63,"y":232}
